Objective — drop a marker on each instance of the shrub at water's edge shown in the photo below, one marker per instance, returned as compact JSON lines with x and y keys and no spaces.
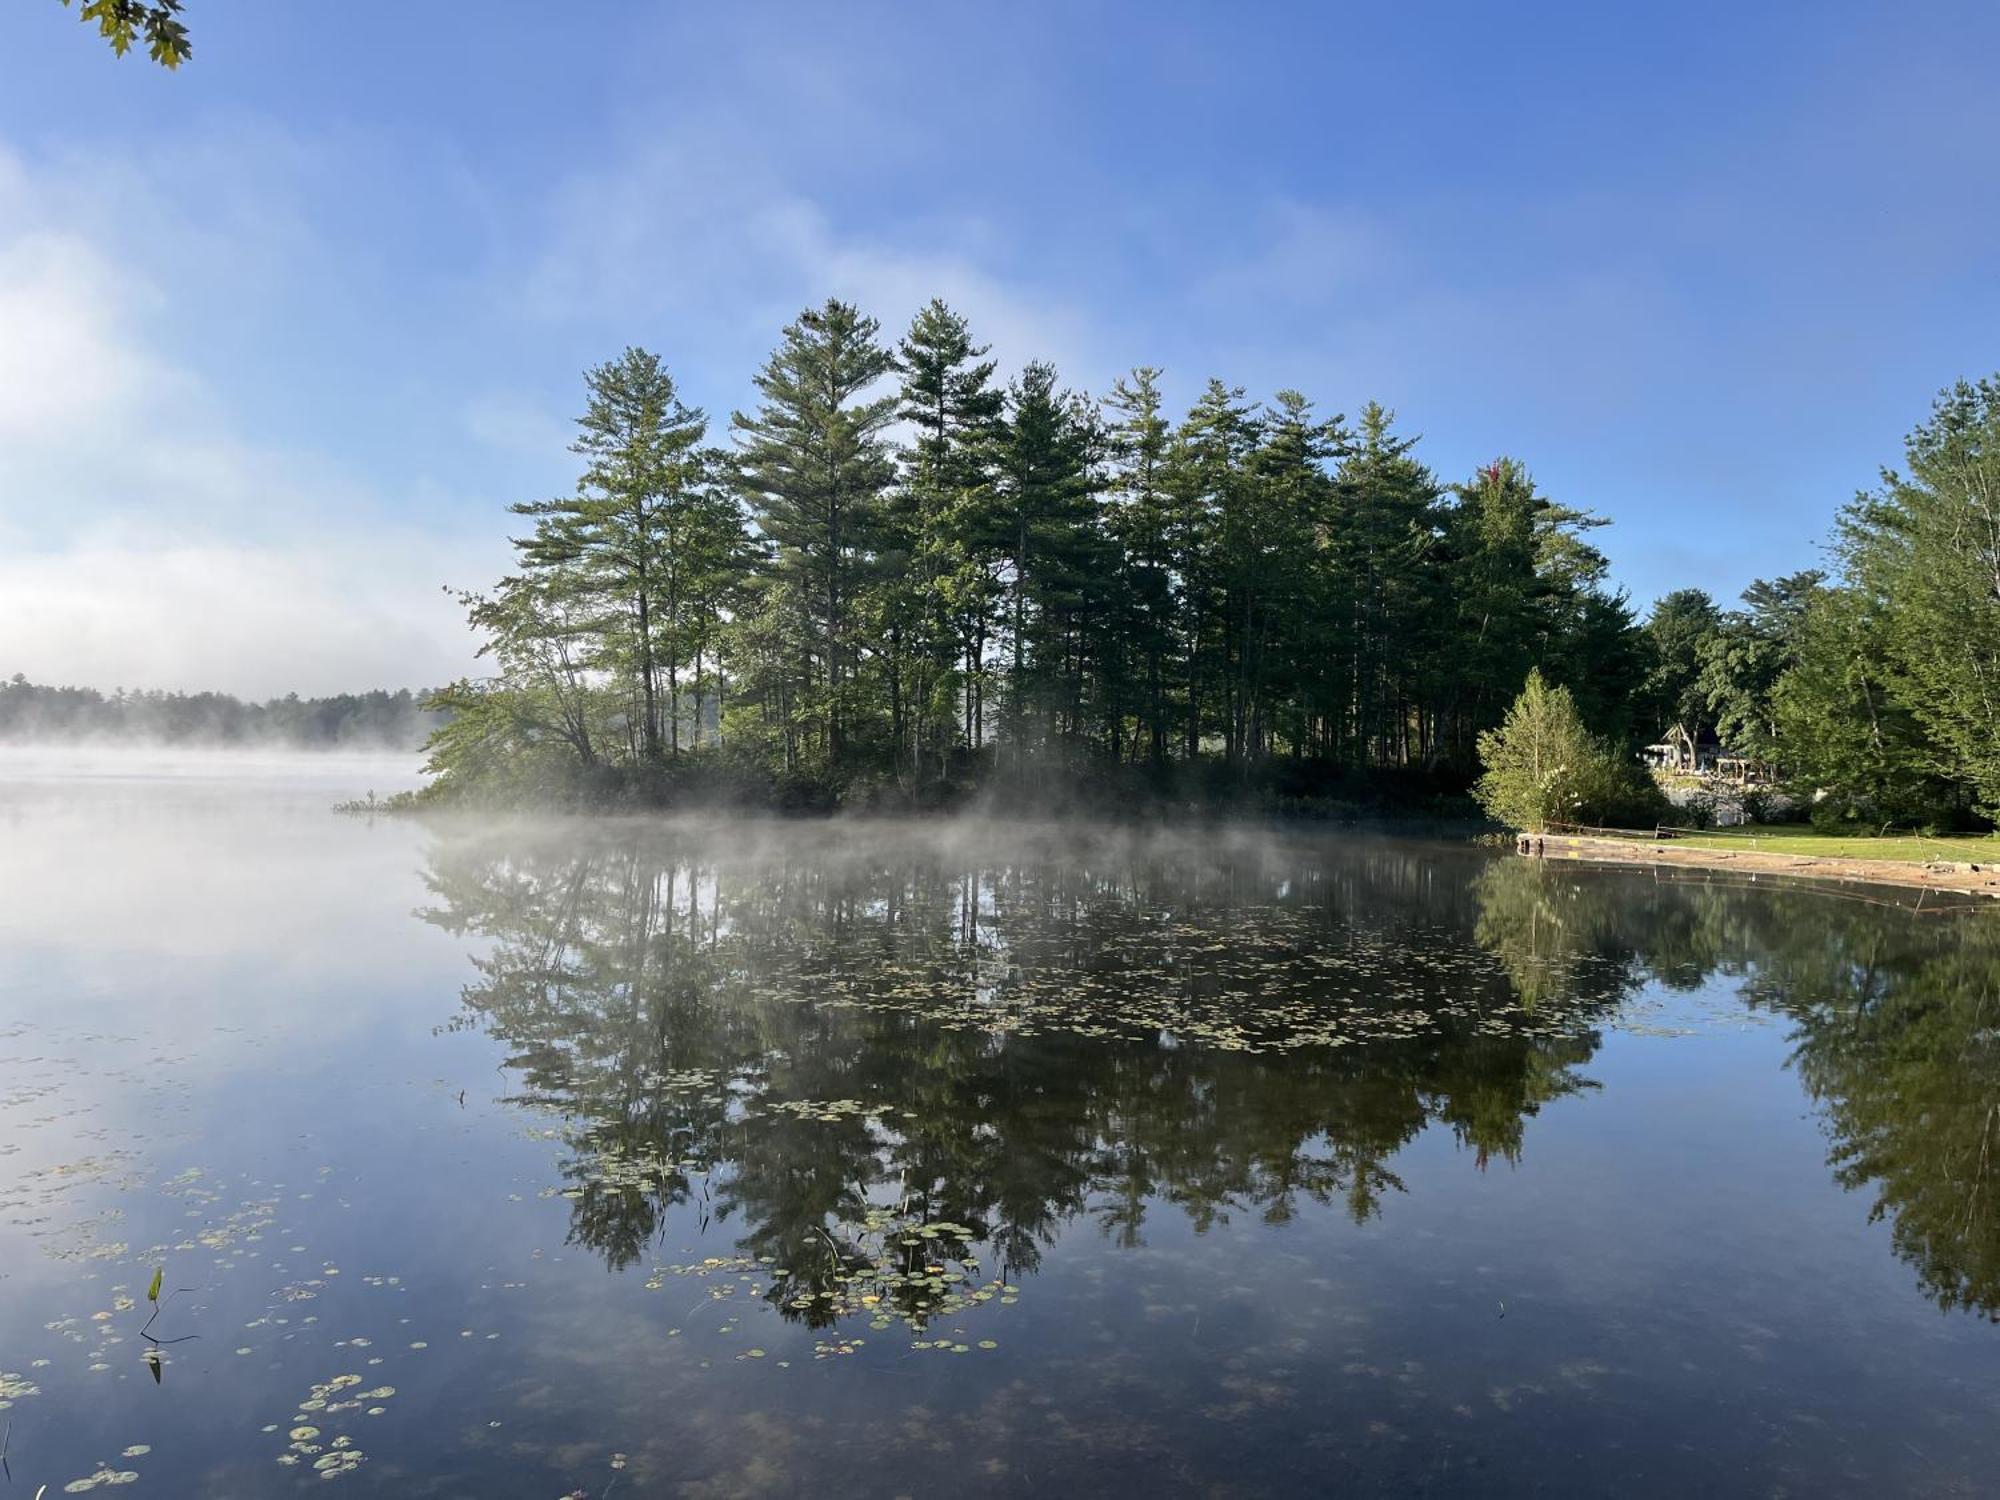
{"x":1542,"y":766}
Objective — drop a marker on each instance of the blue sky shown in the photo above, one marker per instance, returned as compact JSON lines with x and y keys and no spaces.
{"x":282,"y":334}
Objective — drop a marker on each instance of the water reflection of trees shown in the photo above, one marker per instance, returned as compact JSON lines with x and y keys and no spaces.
{"x":1895,"y":1017}
{"x":1897,"y":1035}
{"x":678,"y":1004}
{"x":681,"y":1009}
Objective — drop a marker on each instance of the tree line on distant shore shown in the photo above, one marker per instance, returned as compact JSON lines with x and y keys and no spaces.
{"x":1870,"y":690}
{"x":905,"y":578}
{"x":1872,"y":685}
{"x":33,"y":712}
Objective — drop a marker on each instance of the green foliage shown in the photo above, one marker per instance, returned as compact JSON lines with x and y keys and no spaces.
{"x":1745,"y":656}
{"x":1676,"y":630}
{"x":1054,"y":561}
{"x":1527,"y":586}
{"x":497,"y":744}
{"x":938,"y":595}
{"x":1923,"y":551}
{"x":1845,"y":730}
{"x":123,"y":22}
{"x":631,"y":573}
{"x":1543,"y":766}
{"x":812,"y":469}
{"x":1874,"y":691}
{"x":1037,"y":589}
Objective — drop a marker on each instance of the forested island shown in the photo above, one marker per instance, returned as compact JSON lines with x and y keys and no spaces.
{"x":902,"y":581}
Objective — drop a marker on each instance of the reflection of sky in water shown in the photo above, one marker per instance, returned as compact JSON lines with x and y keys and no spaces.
{"x":1591,"y":1246}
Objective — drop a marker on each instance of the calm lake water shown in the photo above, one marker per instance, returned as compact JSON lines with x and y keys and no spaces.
{"x":623,"y":1158}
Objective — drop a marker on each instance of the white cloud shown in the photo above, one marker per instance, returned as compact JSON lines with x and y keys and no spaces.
{"x":60,"y":356}
{"x":145,"y":538}
{"x":151,"y":536}
{"x":315,"y":614}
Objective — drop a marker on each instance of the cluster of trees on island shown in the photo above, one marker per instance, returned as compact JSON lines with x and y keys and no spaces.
{"x":903,"y":578}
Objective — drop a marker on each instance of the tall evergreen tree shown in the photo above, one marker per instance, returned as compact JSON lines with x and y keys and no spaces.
{"x":1926,"y":547}
{"x":944,"y":593}
{"x":1383,"y":551}
{"x":812,"y":467}
{"x":1208,"y":480}
{"x":1042,"y":527}
{"x":1529,"y":588}
{"x":1839,"y":722}
{"x":622,"y":535}
{"x":1085,"y":583}
{"x":1748,"y":653}
{"x":1274,"y":570}
{"x":1141,"y":520}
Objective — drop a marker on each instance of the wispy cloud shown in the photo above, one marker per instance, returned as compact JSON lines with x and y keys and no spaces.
{"x":146,"y":539}
{"x":317,"y":612}
{"x":717,"y":251}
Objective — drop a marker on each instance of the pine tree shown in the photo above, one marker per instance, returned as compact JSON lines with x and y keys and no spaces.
{"x":1382,"y":550}
{"x":1141,"y":520}
{"x":1847,"y":737}
{"x":1207,"y":481}
{"x":944,"y":592}
{"x":812,"y":468}
{"x":1675,"y":630}
{"x":1747,"y":654}
{"x":1277,"y":574}
{"x":1092,"y":583}
{"x":1042,"y":525}
{"x":1529,"y":591}
{"x":1927,"y":545}
{"x":620,"y":536}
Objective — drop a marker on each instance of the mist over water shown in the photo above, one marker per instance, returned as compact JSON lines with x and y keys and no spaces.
{"x":45,"y":772}
{"x":700,"y":1158}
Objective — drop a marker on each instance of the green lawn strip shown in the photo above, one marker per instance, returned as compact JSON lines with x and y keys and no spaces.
{"x":1974,"y":848}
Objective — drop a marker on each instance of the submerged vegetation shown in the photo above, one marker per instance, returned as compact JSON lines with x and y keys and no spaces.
{"x":882,"y":1112}
{"x":877,"y":1067}
{"x":899,"y":1073}
{"x":1021,"y":1151}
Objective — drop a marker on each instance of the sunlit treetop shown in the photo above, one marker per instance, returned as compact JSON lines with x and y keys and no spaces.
{"x":123,"y":22}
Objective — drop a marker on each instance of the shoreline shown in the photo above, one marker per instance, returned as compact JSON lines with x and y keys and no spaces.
{"x":1948,"y":877}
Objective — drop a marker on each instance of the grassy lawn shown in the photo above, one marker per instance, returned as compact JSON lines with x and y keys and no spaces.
{"x":1842,"y":843}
